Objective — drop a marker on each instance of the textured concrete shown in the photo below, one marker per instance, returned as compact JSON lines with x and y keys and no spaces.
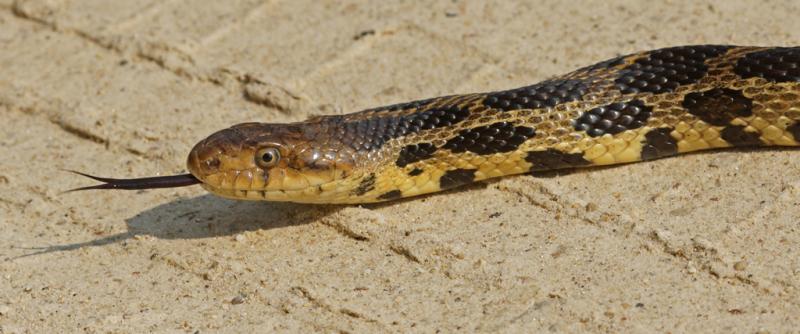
{"x":698,"y":243}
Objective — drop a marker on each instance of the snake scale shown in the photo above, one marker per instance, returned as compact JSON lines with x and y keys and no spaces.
{"x":641,"y":106}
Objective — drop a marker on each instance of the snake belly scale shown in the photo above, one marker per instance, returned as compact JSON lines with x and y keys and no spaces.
{"x":636,"y":107}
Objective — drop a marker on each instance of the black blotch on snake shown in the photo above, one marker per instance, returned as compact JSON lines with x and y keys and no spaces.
{"x":415,"y":172}
{"x":794,"y":129}
{"x":545,"y":94}
{"x":390,"y":195}
{"x":659,"y":143}
{"x":493,"y":138}
{"x":613,"y":118}
{"x":367,"y":184}
{"x":413,"y":153}
{"x":456,"y":177}
{"x":737,"y":136}
{"x":554,"y":159}
{"x":664,"y":70}
{"x":372,"y":132}
{"x":773,"y":64}
{"x":718,"y":106}
{"x":549,"y":93}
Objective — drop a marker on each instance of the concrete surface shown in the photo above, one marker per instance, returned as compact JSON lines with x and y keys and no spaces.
{"x":699,"y":243}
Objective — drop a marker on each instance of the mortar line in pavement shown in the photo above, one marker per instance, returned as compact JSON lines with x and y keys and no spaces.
{"x":186,"y":69}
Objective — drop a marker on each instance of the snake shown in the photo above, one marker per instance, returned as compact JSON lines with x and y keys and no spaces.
{"x":641,"y":106}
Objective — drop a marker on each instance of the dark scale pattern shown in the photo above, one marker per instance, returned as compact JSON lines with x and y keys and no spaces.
{"x":544,"y":94}
{"x":413,"y":153}
{"x":794,"y":129}
{"x":664,"y":70}
{"x":554,"y":159}
{"x":456,"y":177}
{"x":390,"y":195}
{"x":718,"y":106}
{"x":415,"y":172}
{"x":367,"y":184}
{"x":774,"y":64}
{"x":603,"y":65}
{"x":371,"y":133}
{"x":400,"y":106}
{"x":658,"y":144}
{"x":737,"y":136}
{"x":494,"y":138}
{"x":613,"y":118}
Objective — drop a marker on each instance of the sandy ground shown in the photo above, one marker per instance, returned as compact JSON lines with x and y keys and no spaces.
{"x":700,"y":243}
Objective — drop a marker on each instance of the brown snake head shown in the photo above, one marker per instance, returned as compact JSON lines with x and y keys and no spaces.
{"x":259,"y":161}
{"x":297,"y":162}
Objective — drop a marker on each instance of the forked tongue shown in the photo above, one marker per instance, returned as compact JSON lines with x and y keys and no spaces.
{"x":171,"y":181}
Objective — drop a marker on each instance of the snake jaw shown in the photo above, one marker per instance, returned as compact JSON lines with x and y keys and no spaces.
{"x":226,"y":162}
{"x":306,"y":169}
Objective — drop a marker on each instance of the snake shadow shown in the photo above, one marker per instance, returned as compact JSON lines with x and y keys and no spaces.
{"x":209,"y":216}
{"x":205,"y":216}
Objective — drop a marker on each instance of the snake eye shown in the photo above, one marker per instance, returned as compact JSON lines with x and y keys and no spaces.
{"x":267,"y":157}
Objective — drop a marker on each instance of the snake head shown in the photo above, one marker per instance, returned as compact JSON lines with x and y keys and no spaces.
{"x":279,"y":162}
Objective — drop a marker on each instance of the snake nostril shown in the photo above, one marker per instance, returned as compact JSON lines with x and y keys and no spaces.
{"x":204,"y":160}
{"x":212,"y":164}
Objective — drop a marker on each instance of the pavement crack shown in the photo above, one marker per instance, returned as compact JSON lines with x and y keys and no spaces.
{"x":79,"y":132}
{"x":303,"y":292}
{"x":344,"y":230}
{"x":174,"y":60}
{"x":50,"y":109}
{"x":700,"y":255}
{"x":270,"y":95}
{"x":559,"y":204}
{"x":61,"y":115}
{"x":357,"y":315}
{"x":405,"y":252}
{"x":316,"y":302}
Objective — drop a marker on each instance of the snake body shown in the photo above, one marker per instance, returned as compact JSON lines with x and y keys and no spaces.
{"x":630,"y":108}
